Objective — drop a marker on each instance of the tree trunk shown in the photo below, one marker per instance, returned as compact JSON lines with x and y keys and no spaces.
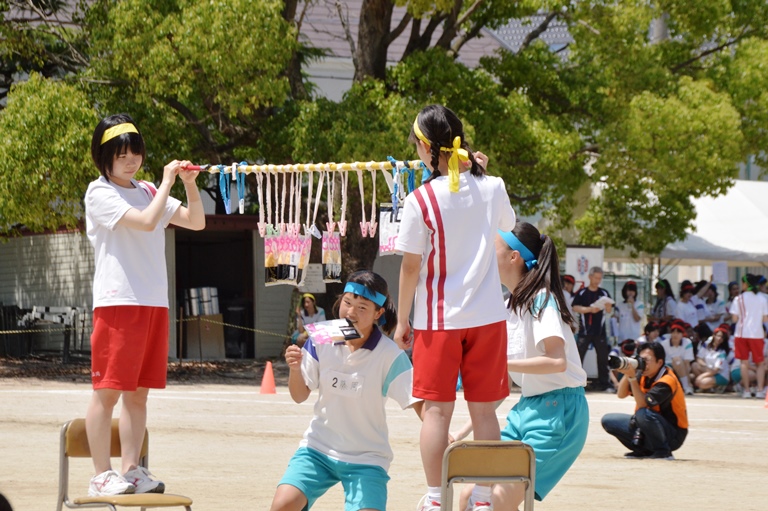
{"x":372,"y":37}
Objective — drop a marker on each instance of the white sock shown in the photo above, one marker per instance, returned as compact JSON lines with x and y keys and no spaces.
{"x":685,"y":382}
{"x":481,"y":494}
{"x":433,"y":493}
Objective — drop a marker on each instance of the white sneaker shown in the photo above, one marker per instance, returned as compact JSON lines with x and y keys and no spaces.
{"x":427,"y":505}
{"x":144,"y":481}
{"x":746,"y":394}
{"x":478,"y":506}
{"x":109,"y":483}
{"x":689,"y":391}
{"x":760,"y":395}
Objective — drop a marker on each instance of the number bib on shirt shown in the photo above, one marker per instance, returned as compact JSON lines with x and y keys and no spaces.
{"x":348,"y":385}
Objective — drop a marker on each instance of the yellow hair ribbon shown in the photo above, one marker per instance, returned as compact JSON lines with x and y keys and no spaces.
{"x":457,"y":155}
{"x":115,"y":131}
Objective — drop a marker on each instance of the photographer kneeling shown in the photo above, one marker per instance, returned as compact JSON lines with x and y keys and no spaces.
{"x":660,"y":423}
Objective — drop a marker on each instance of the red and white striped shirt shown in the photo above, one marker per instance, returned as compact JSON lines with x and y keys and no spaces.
{"x":459,"y":284}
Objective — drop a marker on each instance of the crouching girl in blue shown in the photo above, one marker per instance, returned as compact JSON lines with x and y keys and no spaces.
{"x":347,"y":440}
{"x":552,"y":415}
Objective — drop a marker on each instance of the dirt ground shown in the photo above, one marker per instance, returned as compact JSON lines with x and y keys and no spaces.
{"x":215,"y":438}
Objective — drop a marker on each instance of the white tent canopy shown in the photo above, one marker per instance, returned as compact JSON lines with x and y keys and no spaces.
{"x":732,"y":228}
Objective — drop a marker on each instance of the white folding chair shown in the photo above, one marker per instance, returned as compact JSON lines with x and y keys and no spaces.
{"x":488,"y":462}
{"x":74,"y":444}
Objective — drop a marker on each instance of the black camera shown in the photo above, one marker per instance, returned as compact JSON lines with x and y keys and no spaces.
{"x":620,"y":363}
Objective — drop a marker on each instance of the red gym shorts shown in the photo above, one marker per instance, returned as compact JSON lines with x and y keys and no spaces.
{"x":129,"y":347}
{"x":743,"y":346}
{"x":479,"y":352}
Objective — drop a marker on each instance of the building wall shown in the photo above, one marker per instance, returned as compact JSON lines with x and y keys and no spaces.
{"x":271,"y":308}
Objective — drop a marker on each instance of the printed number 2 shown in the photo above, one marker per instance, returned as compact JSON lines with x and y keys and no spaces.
{"x":335,"y":381}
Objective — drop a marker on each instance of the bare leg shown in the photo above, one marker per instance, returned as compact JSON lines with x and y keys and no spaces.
{"x":761,"y":376}
{"x":133,"y":422}
{"x":98,"y":426}
{"x":745,"y":375}
{"x":288,"y":498}
{"x":433,"y":439}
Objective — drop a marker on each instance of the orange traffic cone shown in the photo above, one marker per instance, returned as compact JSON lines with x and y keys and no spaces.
{"x":268,"y":381}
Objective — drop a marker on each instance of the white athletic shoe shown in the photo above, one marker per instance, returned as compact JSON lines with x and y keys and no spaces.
{"x":144,"y":481}
{"x":746,"y":394}
{"x":425,"y":504}
{"x":109,"y":483}
{"x":478,"y":506}
{"x":760,"y":395}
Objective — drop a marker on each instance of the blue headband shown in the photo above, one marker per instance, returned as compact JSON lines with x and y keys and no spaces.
{"x":516,"y":244}
{"x":360,"y":290}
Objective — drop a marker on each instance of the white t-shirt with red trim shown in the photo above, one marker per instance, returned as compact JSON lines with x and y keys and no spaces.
{"x":459,"y":284}
{"x":750,"y":308}
{"x":130,"y":264}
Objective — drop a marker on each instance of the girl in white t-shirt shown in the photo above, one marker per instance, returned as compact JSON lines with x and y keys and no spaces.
{"x":749,"y":311}
{"x":307,"y":314}
{"x":125,"y":222}
{"x":449,"y":276}
{"x":711,"y":368}
{"x":347,"y":440}
{"x":629,"y":312}
{"x":679,"y":353}
{"x":552,"y":416}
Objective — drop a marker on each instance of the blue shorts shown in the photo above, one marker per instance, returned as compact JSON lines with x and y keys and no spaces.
{"x":555,"y":424}
{"x":313,"y":473}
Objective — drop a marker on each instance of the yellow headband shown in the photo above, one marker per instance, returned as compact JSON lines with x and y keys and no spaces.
{"x":114,"y":131}
{"x":457,"y":154}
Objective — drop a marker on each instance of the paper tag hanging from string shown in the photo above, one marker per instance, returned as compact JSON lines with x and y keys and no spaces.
{"x":306,"y":248}
{"x":271,"y":256}
{"x":331,"y":187}
{"x":372,"y":223}
{"x":389,"y":227}
{"x":260,"y":193}
{"x":363,"y":223}
{"x":331,"y":257}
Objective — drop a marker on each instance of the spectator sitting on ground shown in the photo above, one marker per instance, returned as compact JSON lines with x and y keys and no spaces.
{"x":660,"y":423}
{"x":711,"y":369}
{"x":679,"y":353}
{"x":665,"y":307}
{"x":651,"y":333}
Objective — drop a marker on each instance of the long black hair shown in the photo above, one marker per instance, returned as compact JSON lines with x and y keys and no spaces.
{"x":440,"y":125}
{"x":103,"y":154}
{"x":374,"y":282}
{"x":545,"y":274}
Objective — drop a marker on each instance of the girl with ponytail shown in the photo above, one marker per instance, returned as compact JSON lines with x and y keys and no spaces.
{"x":542,"y":358}
{"x":449,"y":277}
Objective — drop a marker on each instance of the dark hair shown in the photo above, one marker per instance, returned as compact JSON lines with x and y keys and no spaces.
{"x":4,"y":504}
{"x":752,"y":282}
{"x":664,"y":283}
{"x":104,"y":154}
{"x":724,"y":346}
{"x":440,"y":125}
{"x":657,"y":348}
{"x":650,"y":327}
{"x":629,"y":286}
{"x":544,"y":275}
{"x":374,"y":282}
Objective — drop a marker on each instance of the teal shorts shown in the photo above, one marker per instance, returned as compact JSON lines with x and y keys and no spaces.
{"x":313,"y":473}
{"x":555,"y":424}
{"x":721,"y":380}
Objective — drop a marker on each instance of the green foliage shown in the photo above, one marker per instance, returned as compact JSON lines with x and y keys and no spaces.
{"x":48,"y":126}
